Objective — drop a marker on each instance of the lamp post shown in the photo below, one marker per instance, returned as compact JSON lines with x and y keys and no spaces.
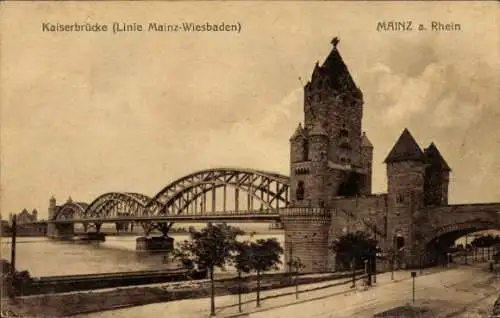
{"x":290,"y":257}
{"x":13,"y":244}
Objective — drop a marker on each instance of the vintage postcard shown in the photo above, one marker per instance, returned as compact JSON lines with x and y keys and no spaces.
{"x":250,"y":159}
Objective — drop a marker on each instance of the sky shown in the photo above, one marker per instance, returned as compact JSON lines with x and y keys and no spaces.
{"x":83,"y":114}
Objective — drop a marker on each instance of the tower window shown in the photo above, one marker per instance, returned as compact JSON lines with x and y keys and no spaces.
{"x":305,"y":153}
{"x":400,"y":198}
{"x":345,"y":145}
{"x":300,"y":191}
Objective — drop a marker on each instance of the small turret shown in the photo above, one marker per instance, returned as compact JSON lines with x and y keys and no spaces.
{"x":437,"y":174}
{"x":52,"y":208}
{"x":318,"y":143}
{"x":366,"y":164}
{"x":52,"y":202}
{"x":299,"y":145}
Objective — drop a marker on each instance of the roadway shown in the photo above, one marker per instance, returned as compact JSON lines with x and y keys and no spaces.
{"x":447,"y":292}
{"x":459,"y":292}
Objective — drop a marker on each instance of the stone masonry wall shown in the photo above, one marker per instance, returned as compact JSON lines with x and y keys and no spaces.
{"x":306,"y":237}
{"x":359,"y":213}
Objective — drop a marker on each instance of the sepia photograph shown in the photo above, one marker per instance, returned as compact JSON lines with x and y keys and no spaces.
{"x":286,"y":159}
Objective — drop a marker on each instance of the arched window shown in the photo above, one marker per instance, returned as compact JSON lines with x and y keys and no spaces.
{"x":399,"y":242}
{"x":300,"y":191}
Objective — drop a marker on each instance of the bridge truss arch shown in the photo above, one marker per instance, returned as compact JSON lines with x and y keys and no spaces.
{"x":118,"y":204}
{"x":70,"y":210}
{"x":211,"y":191}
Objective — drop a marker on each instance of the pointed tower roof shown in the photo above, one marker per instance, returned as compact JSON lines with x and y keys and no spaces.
{"x":336,"y":70}
{"x":406,"y":148}
{"x":365,"y":142}
{"x":299,"y":132}
{"x":434,"y":157}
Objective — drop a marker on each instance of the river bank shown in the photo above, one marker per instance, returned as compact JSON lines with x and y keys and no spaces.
{"x":69,"y":304}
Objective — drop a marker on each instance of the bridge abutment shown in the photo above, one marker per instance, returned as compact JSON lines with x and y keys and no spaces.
{"x":306,"y":237}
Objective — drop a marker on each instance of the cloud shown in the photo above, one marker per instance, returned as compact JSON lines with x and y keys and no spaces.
{"x":265,"y":134}
{"x":443,"y":93}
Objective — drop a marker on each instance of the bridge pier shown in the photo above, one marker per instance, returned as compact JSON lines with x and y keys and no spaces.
{"x":154,"y":244}
{"x":91,"y":237}
{"x":162,"y":243}
{"x":61,"y":231}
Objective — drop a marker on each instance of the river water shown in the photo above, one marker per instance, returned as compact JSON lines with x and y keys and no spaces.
{"x":45,"y":257}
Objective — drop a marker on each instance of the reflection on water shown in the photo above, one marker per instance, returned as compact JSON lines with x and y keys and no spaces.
{"x":46,"y":257}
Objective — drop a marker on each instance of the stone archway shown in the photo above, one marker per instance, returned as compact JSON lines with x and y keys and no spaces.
{"x":438,"y":242}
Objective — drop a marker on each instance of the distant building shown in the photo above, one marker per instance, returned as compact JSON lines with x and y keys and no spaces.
{"x":26,"y":217}
{"x":27,"y":224}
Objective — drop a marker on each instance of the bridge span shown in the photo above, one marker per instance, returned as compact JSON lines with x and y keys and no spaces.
{"x":213,"y":195}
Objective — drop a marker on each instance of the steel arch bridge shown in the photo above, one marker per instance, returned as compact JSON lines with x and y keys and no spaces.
{"x":212,"y":194}
{"x":270,"y":190}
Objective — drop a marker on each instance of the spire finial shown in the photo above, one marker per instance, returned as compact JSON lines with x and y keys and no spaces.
{"x":335,"y":41}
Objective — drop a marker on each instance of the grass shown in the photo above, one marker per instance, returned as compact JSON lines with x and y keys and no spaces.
{"x":406,"y":312}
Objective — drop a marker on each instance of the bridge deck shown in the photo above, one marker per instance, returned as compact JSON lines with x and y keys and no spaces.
{"x":178,"y":218}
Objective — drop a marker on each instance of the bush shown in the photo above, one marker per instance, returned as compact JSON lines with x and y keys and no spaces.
{"x":12,"y":281}
{"x":496,"y":308}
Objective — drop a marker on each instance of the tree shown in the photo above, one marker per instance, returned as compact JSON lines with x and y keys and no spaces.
{"x":242,"y":261}
{"x":353,"y":248}
{"x":265,"y":254}
{"x":208,"y":248}
{"x":296,"y":263}
{"x":13,"y":282}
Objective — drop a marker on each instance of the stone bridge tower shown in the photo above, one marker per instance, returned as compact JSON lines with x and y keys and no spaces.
{"x":329,"y":157}
{"x":406,"y":165}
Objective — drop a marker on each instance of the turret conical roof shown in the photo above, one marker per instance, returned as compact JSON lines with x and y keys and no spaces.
{"x":405,"y":149}
{"x":365,"y":142}
{"x":434,"y":157}
{"x":299,"y":132}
